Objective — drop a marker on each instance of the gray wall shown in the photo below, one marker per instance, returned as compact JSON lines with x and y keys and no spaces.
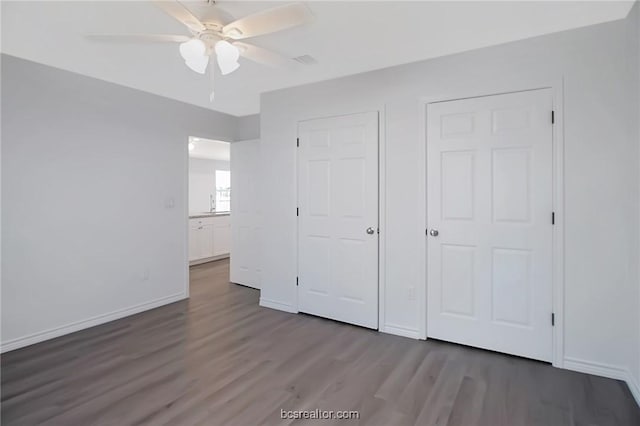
{"x":94,"y":196}
{"x":247,"y":127}
{"x":600,"y":165}
{"x":637,"y":73}
{"x":633,"y":31}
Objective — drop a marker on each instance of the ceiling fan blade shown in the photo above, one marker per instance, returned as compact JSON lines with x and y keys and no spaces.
{"x":176,"y":10}
{"x":138,"y":38}
{"x":261,"y":55}
{"x":269,"y":21}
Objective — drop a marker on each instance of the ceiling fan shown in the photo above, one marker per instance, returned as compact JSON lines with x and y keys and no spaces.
{"x":216,"y":37}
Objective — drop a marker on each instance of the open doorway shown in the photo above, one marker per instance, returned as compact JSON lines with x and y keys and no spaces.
{"x":209,"y":200}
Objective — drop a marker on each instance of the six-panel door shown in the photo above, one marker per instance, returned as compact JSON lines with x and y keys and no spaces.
{"x":338,"y":218}
{"x":489,"y":196}
{"x":246,"y":218}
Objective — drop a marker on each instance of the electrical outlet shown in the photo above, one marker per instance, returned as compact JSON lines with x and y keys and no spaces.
{"x":145,"y":274}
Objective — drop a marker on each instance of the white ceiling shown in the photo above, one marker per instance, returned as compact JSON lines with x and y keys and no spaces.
{"x":347,"y":37}
{"x":209,"y":149}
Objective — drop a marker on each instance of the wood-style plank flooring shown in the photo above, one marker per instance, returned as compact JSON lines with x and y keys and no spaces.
{"x":220,"y":359}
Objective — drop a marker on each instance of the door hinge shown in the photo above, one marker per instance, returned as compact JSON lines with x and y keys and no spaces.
{"x":297,"y":211}
{"x":298,"y":142}
{"x":296,"y":281}
{"x":553,"y":117}
{"x":553,"y":319}
{"x":553,"y":218}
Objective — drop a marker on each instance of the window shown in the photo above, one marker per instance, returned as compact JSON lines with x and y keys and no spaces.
{"x":223,"y":190}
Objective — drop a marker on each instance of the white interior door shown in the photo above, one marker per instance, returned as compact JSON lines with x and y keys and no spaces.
{"x":489,"y":186}
{"x":338,"y":218}
{"x":246,"y":215}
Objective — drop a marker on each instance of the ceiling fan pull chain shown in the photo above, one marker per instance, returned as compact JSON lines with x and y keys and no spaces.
{"x":212,"y":71}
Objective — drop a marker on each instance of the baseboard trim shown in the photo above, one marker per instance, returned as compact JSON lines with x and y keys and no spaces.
{"x":596,"y":368}
{"x":208,"y":259}
{"x":634,"y":388}
{"x":399,"y":330}
{"x":52,"y":333}
{"x":273,"y":304}
{"x":605,"y":370}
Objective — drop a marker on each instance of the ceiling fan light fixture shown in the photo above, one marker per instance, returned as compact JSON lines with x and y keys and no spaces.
{"x":193,"y":49}
{"x":241,"y":47}
{"x":198,"y":64}
{"x":227,"y":56}
{"x":224,"y":70}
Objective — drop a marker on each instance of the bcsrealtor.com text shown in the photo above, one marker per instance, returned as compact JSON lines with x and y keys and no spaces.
{"x":318,"y":414}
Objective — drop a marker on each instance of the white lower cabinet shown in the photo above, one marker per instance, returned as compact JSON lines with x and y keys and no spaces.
{"x":221,"y":236}
{"x":209,"y":237}
{"x":194,"y":242}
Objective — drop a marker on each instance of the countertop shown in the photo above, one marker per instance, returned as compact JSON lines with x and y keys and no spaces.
{"x":206,"y":214}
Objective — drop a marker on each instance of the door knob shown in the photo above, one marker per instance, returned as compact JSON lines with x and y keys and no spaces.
{"x":433,"y":232}
{"x":370,"y":231}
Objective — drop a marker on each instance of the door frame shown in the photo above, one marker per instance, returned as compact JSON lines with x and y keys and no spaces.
{"x":187,"y":221}
{"x":557,"y":93}
{"x":380,"y":111}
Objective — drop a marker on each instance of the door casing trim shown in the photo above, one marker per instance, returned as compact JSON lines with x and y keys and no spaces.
{"x":557,"y":91}
{"x":380,"y":111}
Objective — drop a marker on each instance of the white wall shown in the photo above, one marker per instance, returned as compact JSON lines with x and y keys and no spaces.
{"x":601,"y":178}
{"x":247,"y":127}
{"x":94,"y":197}
{"x":202,"y":182}
{"x":633,"y":31}
{"x":636,"y":10}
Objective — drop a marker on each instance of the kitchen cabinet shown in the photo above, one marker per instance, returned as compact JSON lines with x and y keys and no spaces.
{"x":221,"y":235}
{"x":209,"y":237}
{"x":194,"y":242}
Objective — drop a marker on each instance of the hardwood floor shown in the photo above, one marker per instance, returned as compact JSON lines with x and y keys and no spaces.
{"x":220,"y":359}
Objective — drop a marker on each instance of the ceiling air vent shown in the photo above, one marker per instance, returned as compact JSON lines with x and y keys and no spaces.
{"x":305,"y":60}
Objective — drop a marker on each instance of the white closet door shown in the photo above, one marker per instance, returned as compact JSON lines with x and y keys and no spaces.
{"x":489,"y":173}
{"x":338,"y":218}
{"x":245,"y":213}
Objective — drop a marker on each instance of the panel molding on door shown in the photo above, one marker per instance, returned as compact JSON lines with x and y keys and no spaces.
{"x":490,"y":198}
{"x":338,"y":218}
{"x":246,"y":216}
